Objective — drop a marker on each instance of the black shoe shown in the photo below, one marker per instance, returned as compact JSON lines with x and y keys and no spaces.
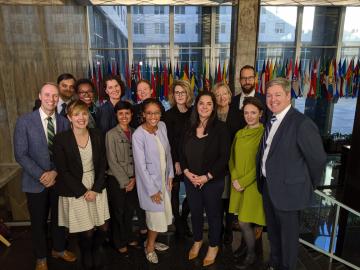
{"x":228,"y":238}
{"x":240,"y":252}
{"x":249,"y":260}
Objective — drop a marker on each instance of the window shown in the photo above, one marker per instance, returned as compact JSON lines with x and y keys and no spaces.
{"x":159,"y":28}
{"x":180,"y":28}
{"x":262,"y":28}
{"x":138,"y":10}
{"x":223,"y":28}
{"x":179,"y":10}
{"x":279,"y":28}
{"x":139,"y":28}
{"x":159,"y":10}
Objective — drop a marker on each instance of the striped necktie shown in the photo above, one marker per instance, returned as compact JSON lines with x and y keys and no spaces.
{"x":266,"y":133}
{"x":50,"y":135}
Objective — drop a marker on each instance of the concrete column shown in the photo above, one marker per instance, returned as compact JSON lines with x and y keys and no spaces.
{"x":243,"y":38}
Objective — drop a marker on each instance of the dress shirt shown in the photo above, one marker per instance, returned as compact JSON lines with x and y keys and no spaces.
{"x":44,"y":121}
{"x":243,"y":96}
{"x":60,"y":103}
{"x":279,"y":117}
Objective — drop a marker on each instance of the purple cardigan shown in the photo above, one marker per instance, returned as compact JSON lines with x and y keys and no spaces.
{"x":147,"y":165}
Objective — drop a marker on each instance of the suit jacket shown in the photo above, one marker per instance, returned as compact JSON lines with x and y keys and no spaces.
{"x":106,"y":118}
{"x":31,"y":149}
{"x":119,"y":155}
{"x":217,"y":151}
{"x":147,"y":165}
{"x":69,"y":166}
{"x":295,"y":162}
{"x":235,"y":119}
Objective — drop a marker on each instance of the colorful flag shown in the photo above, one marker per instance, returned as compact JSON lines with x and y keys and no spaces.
{"x":306,"y":79}
{"x":295,"y":85}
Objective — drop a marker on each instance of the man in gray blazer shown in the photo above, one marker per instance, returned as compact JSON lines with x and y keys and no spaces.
{"x":33,"y":144}
{"x":290,"y":163}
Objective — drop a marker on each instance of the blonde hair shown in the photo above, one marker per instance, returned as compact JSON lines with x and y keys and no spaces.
{"x":184,"y":85}
{"x":49,"y":83}
{"x":282,"y":82}
{"x":222,"y":84}
{"x":75,"y":106}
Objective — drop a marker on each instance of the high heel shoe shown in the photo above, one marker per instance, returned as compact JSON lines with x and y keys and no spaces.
{"x":194,"y":251}
{"x":210,"y":256}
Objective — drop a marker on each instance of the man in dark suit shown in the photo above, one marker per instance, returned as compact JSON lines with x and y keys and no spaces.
{"x":33,"y":146}
{"x":290,"y":163}
{"x":247,"y":82}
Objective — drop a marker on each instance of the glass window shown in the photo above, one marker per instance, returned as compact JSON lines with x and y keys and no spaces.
{"x":180,"y":28}
{"x":279,"y":28}
{"x":179,"y":9}
{"x":139,"y":28}
{"x":159,"y":28}
{"x":326,"y":20}
{"x":159,"y":10}
{"x":223,"y":28}
{"x":137,"y":10}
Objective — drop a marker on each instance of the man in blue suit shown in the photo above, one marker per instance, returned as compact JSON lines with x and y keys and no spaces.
{"x":290,"y":163}
{"x":33,"y":144}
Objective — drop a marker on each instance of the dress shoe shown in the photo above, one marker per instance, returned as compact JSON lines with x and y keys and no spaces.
{"x":151,"y":256}
{"x":249,"y":260}
{"x":210,"y":256}
{"x":194,"y":251}
{"x":66,"y":255}
{"x":41,"y":265}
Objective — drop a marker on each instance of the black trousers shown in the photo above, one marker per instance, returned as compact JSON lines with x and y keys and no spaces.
{"x":122,"y":206}
{"x":283,"y":233}
{"x":39,"y":205}
{"x":208,"y":198}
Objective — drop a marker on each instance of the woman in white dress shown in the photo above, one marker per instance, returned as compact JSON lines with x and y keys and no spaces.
{"x":79,"y":156}
{"x":154,"y":174}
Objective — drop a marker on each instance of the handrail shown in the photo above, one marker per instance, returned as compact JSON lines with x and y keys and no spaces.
{"x":333,"y":233}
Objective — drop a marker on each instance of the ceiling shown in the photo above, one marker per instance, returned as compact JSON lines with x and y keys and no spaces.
{"x":182,"y":2}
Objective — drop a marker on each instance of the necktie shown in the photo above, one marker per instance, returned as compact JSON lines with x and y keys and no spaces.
{"x":50,"y":135}
{"x":266,"y":133}
{"x":63,"y":109}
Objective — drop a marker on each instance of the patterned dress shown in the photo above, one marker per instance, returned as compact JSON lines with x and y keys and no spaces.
{"x":77,"y":214}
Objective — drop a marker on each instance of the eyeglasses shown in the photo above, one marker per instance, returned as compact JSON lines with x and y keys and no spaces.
{"x":156,"y":114}
{"x":250,"y":78}
{"x":84,"y":93}
{"x":180,"y":94}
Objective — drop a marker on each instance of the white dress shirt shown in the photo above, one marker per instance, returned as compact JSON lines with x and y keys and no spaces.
{"x":279,"y":117}
{"x":44,"y":121}
{"x":243,"y":96}
{"x":60,"y":103}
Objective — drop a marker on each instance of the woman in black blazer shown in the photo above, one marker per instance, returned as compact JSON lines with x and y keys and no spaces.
{"x":204,"y":157}
{"x":79,"y":156}
{"x":181,"y":98}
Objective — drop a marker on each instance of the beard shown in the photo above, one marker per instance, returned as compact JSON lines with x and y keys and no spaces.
{"x":247,"y":88}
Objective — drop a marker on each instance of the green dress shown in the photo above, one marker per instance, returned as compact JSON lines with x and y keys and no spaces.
{"x":247,"y":204}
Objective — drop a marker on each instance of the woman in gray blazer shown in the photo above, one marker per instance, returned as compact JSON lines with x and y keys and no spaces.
{"x":154,"y":173}
{"x":121,"y":180}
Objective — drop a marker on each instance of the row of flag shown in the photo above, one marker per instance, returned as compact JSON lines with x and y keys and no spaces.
{"x":315,"y":78}
{"x":161,"y":77}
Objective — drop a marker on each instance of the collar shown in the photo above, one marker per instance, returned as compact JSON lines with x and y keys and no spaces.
{"x":44,"y":116}
{"x":282,"y":114}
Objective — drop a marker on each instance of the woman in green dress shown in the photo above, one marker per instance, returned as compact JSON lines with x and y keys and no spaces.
{"x":245,"y":199}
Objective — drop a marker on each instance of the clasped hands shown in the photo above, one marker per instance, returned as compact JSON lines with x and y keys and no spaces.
{"x":196,"y":180}
{"x":48,"y":178}
{"x":237,"y":186}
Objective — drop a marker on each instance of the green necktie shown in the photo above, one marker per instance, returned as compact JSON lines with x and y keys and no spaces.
{"x":50,"y":135}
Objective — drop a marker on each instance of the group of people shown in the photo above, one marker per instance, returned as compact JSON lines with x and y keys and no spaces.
{"x":249,"y":157}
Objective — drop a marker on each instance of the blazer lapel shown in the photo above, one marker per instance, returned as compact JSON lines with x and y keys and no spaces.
{"x":280,"y":131}
{"x":40,"y":127}
{"x":75,"y":148}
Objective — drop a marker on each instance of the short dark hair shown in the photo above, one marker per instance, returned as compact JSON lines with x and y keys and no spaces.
{"x":83,"y":81}
{"x":247,"y":67}
{"x":144,"y":81}
{"x":116,"y":78}
{"x":149,"y":101}
{"x":254,"y":101}
{"x":123,"y":105}
{"x":65,"y":76}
